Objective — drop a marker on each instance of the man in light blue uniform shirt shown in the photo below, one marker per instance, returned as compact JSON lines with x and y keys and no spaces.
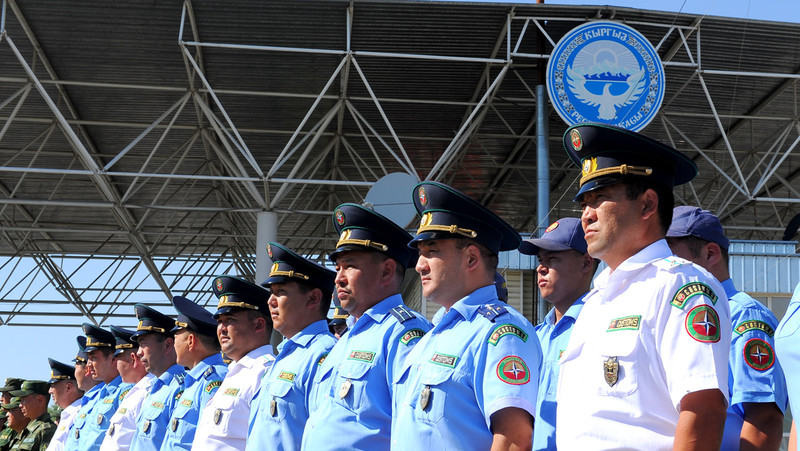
{"x":756,"y":382}
{"x":300,"y":296}
{"x":471,"y":382}
{"x":157,"y":352}
{"x":787,"y":346}
{"x":196,"y":347}
{"x":351,"y":404}
{"x":90,"y":426}
{"x":91,"y":389}
{"x":564,"y":276}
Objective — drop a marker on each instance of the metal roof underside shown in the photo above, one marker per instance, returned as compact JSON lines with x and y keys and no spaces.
{"x":152,"y":133}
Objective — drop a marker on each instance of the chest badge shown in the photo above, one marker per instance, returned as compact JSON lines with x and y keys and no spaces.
{"x":611,"y":371}
{"x":110,"y":430}
{"x":425,"y":397}
{"x":345,"y":388}
{"x":100,"y":419}
{"x":174,"y":424}
{"x":273,"y":407}
{"x":146,"y":426}
{"x":217,"y":416}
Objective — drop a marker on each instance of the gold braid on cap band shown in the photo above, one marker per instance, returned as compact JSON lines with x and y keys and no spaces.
{"x":623,"y":169}
{"x":124,"y":346}
{"x":345,"y":239}
{"x":96,"y":344}
{"x":223,"y":302}
{"x":181,"y":324}
{"x":160,"y":330}
{"x":452,"y":229}
{"x":290,"y":274}
{"x":59,"y":377}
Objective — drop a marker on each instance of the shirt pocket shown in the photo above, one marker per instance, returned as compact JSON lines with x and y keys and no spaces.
{"x":276,"y":396}
{"x":221,"y":412}
{"x":429,"y":397}
{"x":616,"y":369}
{"x":350,"y":386}
{"x":149,"y":425}
{"x":104,"y":413}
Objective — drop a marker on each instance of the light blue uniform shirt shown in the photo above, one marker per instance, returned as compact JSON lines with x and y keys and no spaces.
{"x":787,"y":346}
{"x":79,"y":426}
{"x":351,"y":404}
{"x":553,"y":338}
{"x":754,"y":374}
{"x":280,"y":409}
{"x":483,"y":356}
{"x":96,"y":425}
{"x":201,"y":382}
{"x":157,"y":407}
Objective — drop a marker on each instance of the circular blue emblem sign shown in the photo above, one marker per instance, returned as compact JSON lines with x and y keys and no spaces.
{"x":605,"y":72}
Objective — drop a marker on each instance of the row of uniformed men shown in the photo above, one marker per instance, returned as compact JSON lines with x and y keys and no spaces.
{"x":646,"y":365}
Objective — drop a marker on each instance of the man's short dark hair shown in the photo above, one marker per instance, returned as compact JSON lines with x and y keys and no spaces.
{"x":209,"y":342}
{"x":695,"y":245}
{"x":325,"y":302}
{"x":636,"y":186}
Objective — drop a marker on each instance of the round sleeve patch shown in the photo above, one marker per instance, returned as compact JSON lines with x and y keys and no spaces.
{"x":702,"y":324}
{"x":759,"y":354}
{"x":512,"y":370}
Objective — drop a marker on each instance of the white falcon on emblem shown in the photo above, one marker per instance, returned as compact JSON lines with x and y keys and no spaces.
{"x":607,"y":102}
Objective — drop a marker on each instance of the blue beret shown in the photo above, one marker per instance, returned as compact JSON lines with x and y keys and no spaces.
{"x":151,"y":321}
{"x":193,"y":317}
{"x":608,"y":155}
{"x":694,"y":221}
{"x":97,"y":338}
{"x":60,"y":371}
{"x":360,"y":229}
{"x":288,"y":266}
{"x":123,"y":339}
{"x":449,"y":213}
{"x":562,"y":235}
{"x":235,"y":294}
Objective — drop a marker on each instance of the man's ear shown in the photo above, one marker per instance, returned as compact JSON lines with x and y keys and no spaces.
{"x":649,"y":203}
{"x":713,"y":253}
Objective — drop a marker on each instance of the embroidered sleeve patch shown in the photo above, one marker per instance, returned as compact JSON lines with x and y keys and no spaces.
{"x":187,"y":402}
{"x":178,"y":395}
{"x":691,"y":290}
{"x":506,"y":329}
{"x":444,"y":360}
{"x":759,"y":354}
{"x":512,"y":370}
{"x":411,"y":335}
{"x":625,"y":323}
{"x":754,"y":324}
{"x":213,"y":385}
{"x":702,"y":324}
{"x":322,"y":359}
{"x":286,"y":376}
{"x":364,"y":356}
{"x":231,"y":391}
{"x":122,"y":395}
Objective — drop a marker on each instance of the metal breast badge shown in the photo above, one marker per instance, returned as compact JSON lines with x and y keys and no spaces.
{"x":174,"y":424}
{"x":110,"y":431}
{"x":217,"y":416}
{"x":345,"y":389}
{"x":425,"y":397}
{"x":146,"y":426}
{"x":273,"y":407}
{"x":611,"y":371}
{"x":100,"y":419}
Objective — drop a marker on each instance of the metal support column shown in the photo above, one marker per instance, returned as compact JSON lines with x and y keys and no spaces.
{"x":266,"y":230}
{"x":543,"y":175}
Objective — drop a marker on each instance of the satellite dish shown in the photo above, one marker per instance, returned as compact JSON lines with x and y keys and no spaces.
{"x":391,"y":197}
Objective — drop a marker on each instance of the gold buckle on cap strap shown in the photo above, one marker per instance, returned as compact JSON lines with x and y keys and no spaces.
{"x":591,"y":172}
{"x":141,"y":326}
{"x":223,"y":302}
{"x":426,"y":226}
{"x":345,"y":239}
{"x":96,"y":344}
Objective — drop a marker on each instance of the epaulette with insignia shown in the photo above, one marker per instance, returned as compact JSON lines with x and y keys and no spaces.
{"x":181,"y":377}
{"x":491,"y":312}
{"x":402,"y":313}
{"x":671,"y":262}
{"x":208,"y":372}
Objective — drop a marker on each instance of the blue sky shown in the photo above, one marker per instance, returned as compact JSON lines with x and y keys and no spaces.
{"x":24,"y":351}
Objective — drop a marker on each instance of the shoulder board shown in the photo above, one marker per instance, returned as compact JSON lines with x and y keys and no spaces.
{"x":671,"y":262}
{"x":410,"y":335}
{"x":402,"y":313}
{"x":208,"y":372}
{"x":691,"y":290}
{"x":491,"y":312}
{"x":506,"y":329}
{"x":754,"y":324}
{"x":122,"y":395}
{"x":212,"y":386}
{"x":180,"y":377}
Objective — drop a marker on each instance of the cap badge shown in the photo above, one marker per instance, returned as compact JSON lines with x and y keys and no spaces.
{"x":339,"y":214}
{"x":218,"y":284}
{"x":423,"y":198}
{"x":577,"y":141}
{"x":589,"y":166}
{"x":427,"y":218}
{"x":345,"y":235}
{"x":269,"y":250}
{"x":274,"y":268}
{"x":552,"y":227}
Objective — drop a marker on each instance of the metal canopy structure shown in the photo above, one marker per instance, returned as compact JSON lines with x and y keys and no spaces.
{"x":139,"y":140}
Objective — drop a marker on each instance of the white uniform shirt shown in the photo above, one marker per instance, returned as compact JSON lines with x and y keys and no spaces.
{"x":224,"y":420}
{"x":654,"y":330}
{"x":122,"y":425}
{"x":64,"y":425}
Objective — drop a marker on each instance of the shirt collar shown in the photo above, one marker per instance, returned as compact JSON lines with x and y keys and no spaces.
{"x":572,"y":311}
{"x":203,"y":365}
{"x":254,"y":357}
{"x":730,"y":289}
{"x":655,"y":251}
{"x":468,"y":306}
{"x":304,"y":337}
{"x":381,"y":310}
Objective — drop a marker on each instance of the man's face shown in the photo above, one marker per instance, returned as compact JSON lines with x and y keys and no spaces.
{"x":151,"y":352}
{"x":557,"y":275}
{"x":182,"y":347}
{"x":357,"y":279}
{"x":31,"y":405}
{"x":6,"y":397}
{"x":102,"y":367}
{"x":609,"y":218}
{"x":440,"y":270}
{"x":288,"y":306}
{"x":58,"y":390}
{"x":16,"y":420}
{"x":237,"y":334}
{"x":82,"y":375}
